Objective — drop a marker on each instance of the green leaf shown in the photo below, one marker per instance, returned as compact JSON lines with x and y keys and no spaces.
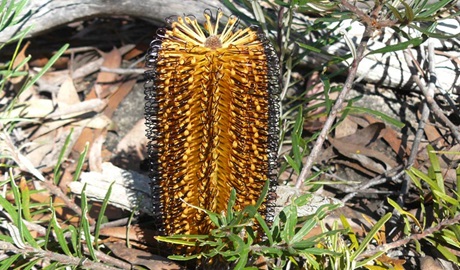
{"x":57,"y":167}
{"x":84,"y":224}
{"x":263,"y":194}
{"x":378,"y":114}
{"x":310,"y":48}
{"x":264,"y":227}
{"x":436,"y":168}
{"x":446,"y":198}
{"x":231,"y":203}
{"x":271,"y":251}
{"x":400,"y":46}
{"x":408,"y":11}
{"x":24,"y":233}
{"x":48,"y":65}
{"x":403,"y":212}
{"x":444,"y":251}
{"x":432,"y":9}
{"x":59,"y":234}
{"x":414,"y":179}
{"x":81,"y":161}
{"x":172,"y":240}
{"x":294,"y":165}
{"x":303,"y":244}
{"x":320,"y":252}
{"x":291,"y":221}
{"x":306,"y":228}
{"x":351,"y":234}
{"x":370,"y":259}
{"x":8,"y":261}
{"x":100,"y":217}
{"x":74,"y":239}
{"x":395,"y":12}
{"x":375,"y":229}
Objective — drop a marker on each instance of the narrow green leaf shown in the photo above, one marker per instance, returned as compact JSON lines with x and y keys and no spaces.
{"x":291,"y":222}
{"x":408,"y":11}
{"x":294,"y":165}
{"x":24,"y":233}
{"x":59,"y":234}
{"x":263,"y":194}
{"x":183,"y":258}
{"x":378,"y":114}
{"x":405,"y":213}
{"x":400,"y":46}
{"x":436,"y":168}
{"x":84,"y":224}
{"x":310,"y":48}
{"x":306,"y":228}
{"x":395,"y":12}
{"x":364,"y":244}
{"x":369,"y":259}
{"x":414,"y":179}
{"x":231,"y":203}
{"x":57,"y":167}
{"x":100,"y":217}
{"x":432,"y":9}
{"x":172,"y":240}
{"x":445,"y":251}
{"x":8,"y":261}
{"x":264,"y":227}
{"x":446,"y":198}
{"x":303,"y":244}
{"x":327,"y":90}
{"x":81,"y":161}
{"x":320,"y":252}
{"x":351,"y":234}
{"x":50,"y":62}
{"x":74,"y":239}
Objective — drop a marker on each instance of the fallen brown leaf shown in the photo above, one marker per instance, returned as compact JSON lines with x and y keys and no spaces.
{"x":106,"y":81}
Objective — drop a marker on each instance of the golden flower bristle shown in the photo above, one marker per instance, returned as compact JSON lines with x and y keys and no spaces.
{"x":212,"y":118}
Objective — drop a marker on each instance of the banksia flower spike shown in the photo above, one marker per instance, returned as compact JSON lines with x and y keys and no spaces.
{"x":212,"y":119}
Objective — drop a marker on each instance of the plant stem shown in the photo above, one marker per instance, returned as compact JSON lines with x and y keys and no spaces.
{"x":336,"y":108}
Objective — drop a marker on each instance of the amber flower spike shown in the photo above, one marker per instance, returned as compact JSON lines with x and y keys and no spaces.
{"x":212,"y":119}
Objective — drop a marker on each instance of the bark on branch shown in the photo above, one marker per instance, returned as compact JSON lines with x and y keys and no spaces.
{"x":46,"y":15}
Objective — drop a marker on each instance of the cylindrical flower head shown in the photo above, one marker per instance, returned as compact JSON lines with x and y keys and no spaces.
{"x":212,"y":118}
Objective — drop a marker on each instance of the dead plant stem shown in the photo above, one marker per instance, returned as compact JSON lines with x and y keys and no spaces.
{"x":337,"y":106}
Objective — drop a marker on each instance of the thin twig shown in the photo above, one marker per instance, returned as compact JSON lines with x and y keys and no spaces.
{"x":108,"y":259}
{"x":32,"y":252}
{"x":379,"y":179}
{"x":430,"y":100}
{"x":386,"y":247}
{"x":123,"y":71}
{"x":414,"y":67}
{"x":338,"y":104}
